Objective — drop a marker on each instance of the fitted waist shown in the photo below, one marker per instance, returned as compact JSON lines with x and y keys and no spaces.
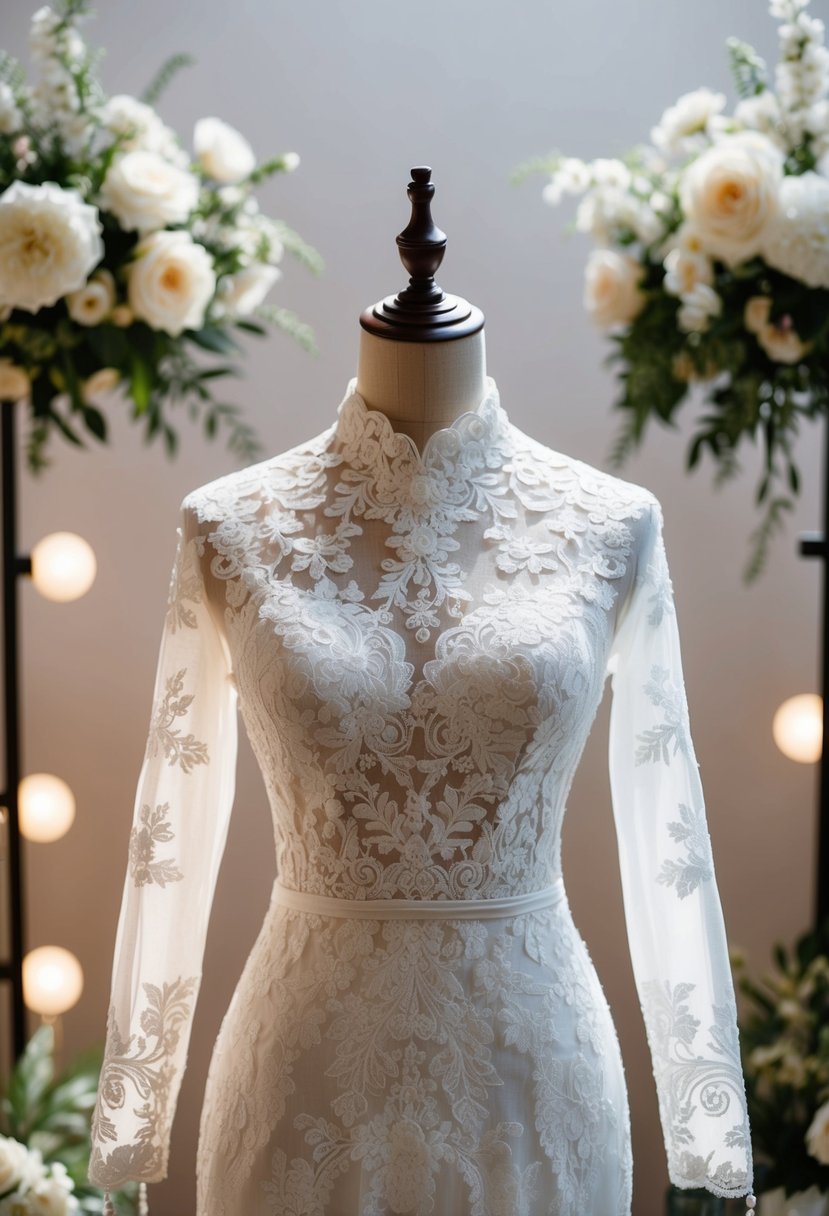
{"x":420,"y":909}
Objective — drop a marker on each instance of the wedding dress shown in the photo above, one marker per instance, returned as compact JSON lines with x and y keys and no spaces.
{"x":418,"y":643}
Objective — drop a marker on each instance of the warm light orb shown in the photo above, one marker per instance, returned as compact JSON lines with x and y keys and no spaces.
{"x":798,"y":727}
{"x":46,"y":806}
{"x":63,"y":566}
{"x":52,"y":980}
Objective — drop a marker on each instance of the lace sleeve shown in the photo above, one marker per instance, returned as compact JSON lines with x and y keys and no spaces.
{"x":672,"y":907}
{"x":179,"y":826}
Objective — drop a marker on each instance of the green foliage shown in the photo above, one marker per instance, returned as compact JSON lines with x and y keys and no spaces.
{"x":535,"y":164}
{"x":784,"y":1039}
{"x":52,"y":1113}
{"x":164,"y":76}
{"x":747,"y":68}
{"x":298,"y":248}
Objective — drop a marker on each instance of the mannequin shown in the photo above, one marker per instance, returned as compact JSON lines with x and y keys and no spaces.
{"x":422,"y":355}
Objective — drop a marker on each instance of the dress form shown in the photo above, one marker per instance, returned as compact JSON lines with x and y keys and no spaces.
{"x":422,"y":359}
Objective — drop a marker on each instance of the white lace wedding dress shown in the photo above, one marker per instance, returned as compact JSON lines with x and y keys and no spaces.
{"x":418,"y":644}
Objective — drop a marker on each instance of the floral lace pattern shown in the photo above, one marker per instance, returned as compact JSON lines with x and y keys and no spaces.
{"x":419,"y":642}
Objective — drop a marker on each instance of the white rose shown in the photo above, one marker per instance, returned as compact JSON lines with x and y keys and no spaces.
{"x":14,"y":381}
{"x":50,"y":1198}
{"x":244,"y":291}
{"x":817,"y":1137}
{"x":102,"y":381}
{"x":50,"y":239}
{"x":222,"y":151}
{"x":611,"y":288}
{"x":94,"y":301}
{"x":730,"y":194}
{"x":171,"y":281}
{"x":144,"y":191}
{"x":797,"y":242}
{"x":13,"y":1159}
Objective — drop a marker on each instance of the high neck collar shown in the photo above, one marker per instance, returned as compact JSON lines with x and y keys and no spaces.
{"x":475,"y":439}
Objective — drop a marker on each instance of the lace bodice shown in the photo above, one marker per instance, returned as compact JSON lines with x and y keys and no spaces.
{"x":418,"y":643}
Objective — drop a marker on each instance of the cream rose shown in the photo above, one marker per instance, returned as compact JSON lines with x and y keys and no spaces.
{"x":244,"y":291}
{"x":144,"y":191}
{"x":782,"y":343}
{"x":171,"y":281}
{"x":50,"y":239}
{"x":14,"y":381}
{"x":611,"y":288}
{"x":778,"y":339}
{"x":730,"y":194}
{"x":756,"y":313}
{"x":222,"y":151}
{"x":13,"y":1161}
{"x":102,"y":381}
{"x":817,"y":1137}
{"x":94,"y":301}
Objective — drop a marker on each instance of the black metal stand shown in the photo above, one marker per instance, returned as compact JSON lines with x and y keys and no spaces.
{"x":11,"y":969}
{"x":814,"y":544}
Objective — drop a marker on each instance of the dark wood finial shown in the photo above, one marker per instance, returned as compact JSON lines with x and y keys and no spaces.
{"x":422,"y":311}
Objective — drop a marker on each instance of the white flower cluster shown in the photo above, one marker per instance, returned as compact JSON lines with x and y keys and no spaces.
{"x":51,"y":235}
{"x":712,"y":186}
{"x":28,"y":1187}
{"x":57,"y":51}
{"x":802,"y":74}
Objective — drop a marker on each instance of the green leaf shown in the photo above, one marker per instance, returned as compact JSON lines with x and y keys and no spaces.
{"x":210,"y":337}
{"x":299,"y":248}
{"x":536,"y":164}
{"x":140,"y":385}
{"x":110,"y":344}
{"x":30,"y":1077}
{"x":64,"y":426}
{"x":96,"y":422}
{"x":251,"y":326}
{"x":211,"y":372}
{"x":290,"y":323}
{"x":164,"y":75}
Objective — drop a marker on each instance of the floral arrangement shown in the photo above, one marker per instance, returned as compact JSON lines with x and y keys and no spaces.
{"x":121,"y":256}
{"x":711,"y":266}
{"x":784,"y":1039}
{"x":28,"y":1187}
{"x":44,"y":1134}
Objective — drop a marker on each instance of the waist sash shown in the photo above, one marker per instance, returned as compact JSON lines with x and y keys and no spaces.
{"x":420,"y":909}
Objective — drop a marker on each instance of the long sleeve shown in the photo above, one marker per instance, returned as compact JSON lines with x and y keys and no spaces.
{"x":179,"y":826}
{"x":674,"y":919}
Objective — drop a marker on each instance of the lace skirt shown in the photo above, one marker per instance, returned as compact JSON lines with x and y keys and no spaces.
{"x":454,"y":1060}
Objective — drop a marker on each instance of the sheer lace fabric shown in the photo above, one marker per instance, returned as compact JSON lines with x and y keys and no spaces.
{"x":418,"y":643}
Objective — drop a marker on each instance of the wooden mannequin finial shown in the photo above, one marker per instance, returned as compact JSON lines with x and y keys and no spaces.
{"x":422,"y":311}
